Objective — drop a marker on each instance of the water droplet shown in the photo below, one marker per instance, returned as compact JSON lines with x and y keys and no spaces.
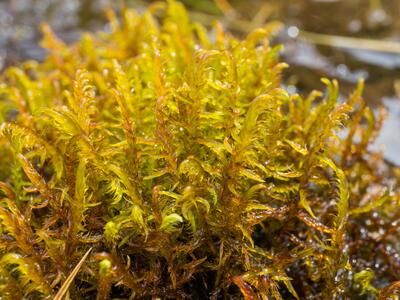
{"x":342,"y":70}
{"x":291,"y":89}
{"x":355,"y":25}
{"x":293,"y":31}
{"x":378,"y":16}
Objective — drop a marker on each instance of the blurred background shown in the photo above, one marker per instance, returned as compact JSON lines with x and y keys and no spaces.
{"x":343,"y":39}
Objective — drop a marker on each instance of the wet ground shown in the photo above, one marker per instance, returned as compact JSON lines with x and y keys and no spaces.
{"x":311,"y":56}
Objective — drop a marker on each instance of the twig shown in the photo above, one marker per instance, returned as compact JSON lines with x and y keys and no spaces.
{"x":70,"y":278}
{"x":350,"y":42}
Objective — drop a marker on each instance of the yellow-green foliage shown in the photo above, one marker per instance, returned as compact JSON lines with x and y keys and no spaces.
{"x":175,"y":153}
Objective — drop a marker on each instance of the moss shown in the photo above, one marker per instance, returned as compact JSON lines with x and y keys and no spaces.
{"x":176,"y":155}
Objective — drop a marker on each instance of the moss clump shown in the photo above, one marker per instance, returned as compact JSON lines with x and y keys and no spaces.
{"x":175,"y":155}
